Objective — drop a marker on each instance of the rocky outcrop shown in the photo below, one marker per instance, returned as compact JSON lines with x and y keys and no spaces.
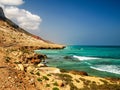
{"x":37,"y":58}
{"x":78,"y":72}
{"x":2,"y":15}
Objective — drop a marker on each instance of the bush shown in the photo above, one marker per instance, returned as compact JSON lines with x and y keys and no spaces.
{"x":48,"y":74}
{"x":55,"y":88}
{"x":68,"y":79}
{"x":55,"y":83}
{"x":38,"y":73}
{"x":45,"y":78}
{"x":47,"y":85}
{"x":7,"y":59}
{"x":40,"y":80}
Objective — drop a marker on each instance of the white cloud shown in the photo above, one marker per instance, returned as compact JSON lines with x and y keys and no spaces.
{"x":22,"y":17}
{"x":11,"y":2}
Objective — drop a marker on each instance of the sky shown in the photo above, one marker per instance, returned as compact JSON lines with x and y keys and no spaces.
{"x":78,"y":22}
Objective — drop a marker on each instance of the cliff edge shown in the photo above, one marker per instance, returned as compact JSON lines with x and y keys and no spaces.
{"x":13,"y":35}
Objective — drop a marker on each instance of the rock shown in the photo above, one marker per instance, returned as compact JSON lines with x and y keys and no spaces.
{"x":50,"y":70}
{"x":78,"y":72}
{"x":37,"y":58}
{"x":32,"y":81}
{"x":67,"y":57}
{"x":2,"y":15}
{"x":41,"y":65}
{"x":35,"y":61}
{"x":60,"y":83}
{"x":30,"y":68}
{"x":20,"y":67}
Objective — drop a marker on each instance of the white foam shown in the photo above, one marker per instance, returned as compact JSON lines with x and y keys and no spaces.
{"x":107,"y":68}
{"x":84,"y":58}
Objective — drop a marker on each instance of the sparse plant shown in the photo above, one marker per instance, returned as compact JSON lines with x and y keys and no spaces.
{"x":45,"y":78}
{"x":55,"y":88}
{"x":7,"y":59}
{"x":17,"y":62}
{"x":68,"y":79}
{"x":73,"y":87}
{"x":38,"y":73}
{"x":77,"y":80}
{"x":39,"y":79}
{"x":48,"y":74}
{"x":55,"y":84}
{"x":47,"y":85}
{"x":31,"y":72}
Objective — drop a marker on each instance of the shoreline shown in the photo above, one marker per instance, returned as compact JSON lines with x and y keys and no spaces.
{"x":84,"y":60}
{"x":36,"y":76}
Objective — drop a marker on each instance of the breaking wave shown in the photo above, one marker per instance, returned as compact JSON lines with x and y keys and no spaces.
{"x":85,"y":58}
{"x":107,"y":68}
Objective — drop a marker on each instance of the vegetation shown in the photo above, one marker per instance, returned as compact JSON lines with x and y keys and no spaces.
{"x":47,"y":85}
{"x":31,"y":72}
{"x":55,"y":88}
{"x":48,"y":74}
{"x":39,"y":79}
{"x":45,"y":78}
{"x":68,"y":79}
{"x":38,"y":73}
{"x":77,"y":80}
{"x":55,"y":84}
{"x":7,"y":59}
{"x":92,"y":85}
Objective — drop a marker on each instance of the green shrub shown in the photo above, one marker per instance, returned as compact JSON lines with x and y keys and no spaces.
{"x":55,"y":88}
{"x":55,"y":83}
{"x":48,"y":74}
{"x":68,"y":79}
{"x":39,"y":79}
{"x":45,"y":78}
{"x":38,"y":73}
{"x":47,"y":85}
{"x":31,"y":72}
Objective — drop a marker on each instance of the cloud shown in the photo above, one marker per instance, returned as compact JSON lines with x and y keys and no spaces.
{"x":22,"y":17}
{"x":11,"y":2}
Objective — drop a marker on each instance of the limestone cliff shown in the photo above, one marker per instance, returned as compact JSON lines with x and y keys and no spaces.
{"x":13,"y":35}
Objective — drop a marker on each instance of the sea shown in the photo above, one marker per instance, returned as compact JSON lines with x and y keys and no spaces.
{"x":103,"y":61}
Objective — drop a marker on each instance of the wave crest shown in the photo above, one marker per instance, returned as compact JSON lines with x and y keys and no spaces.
{"x":107,"y":68}
{"x":84,"y":58}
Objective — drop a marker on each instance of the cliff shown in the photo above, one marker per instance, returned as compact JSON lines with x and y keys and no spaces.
{"x":13,"y":35}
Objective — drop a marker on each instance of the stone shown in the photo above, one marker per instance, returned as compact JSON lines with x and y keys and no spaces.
{"x":30,"y":68}
{"x":20,"y":67}
{"x":2,"y":15}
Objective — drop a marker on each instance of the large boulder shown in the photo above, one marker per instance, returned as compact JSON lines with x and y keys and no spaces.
{"x":37,"y":58}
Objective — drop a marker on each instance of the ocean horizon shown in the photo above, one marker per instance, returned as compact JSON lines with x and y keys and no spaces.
{"x":103,"y":61}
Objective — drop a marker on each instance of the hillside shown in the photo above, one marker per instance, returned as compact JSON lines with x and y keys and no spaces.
{"x":12,"y":35}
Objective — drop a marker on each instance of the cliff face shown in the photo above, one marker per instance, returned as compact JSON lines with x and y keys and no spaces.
{"x":12,"y":35}
{"x":2,"y":15}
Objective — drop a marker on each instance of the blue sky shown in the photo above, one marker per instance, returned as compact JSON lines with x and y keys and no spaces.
{"x":83,"y":22}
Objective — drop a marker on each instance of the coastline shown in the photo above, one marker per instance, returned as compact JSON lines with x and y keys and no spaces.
{"x":36,"y":76}
{"x":22,"y":69}
{"x":86,"y":58}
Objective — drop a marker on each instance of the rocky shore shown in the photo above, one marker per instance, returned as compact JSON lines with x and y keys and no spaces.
{"x":22,"y":69}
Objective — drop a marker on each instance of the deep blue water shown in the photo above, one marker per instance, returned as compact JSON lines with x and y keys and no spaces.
{"x":101,"y":61}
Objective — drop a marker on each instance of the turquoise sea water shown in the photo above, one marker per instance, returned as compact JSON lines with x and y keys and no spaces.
{"x":101,"y":61}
